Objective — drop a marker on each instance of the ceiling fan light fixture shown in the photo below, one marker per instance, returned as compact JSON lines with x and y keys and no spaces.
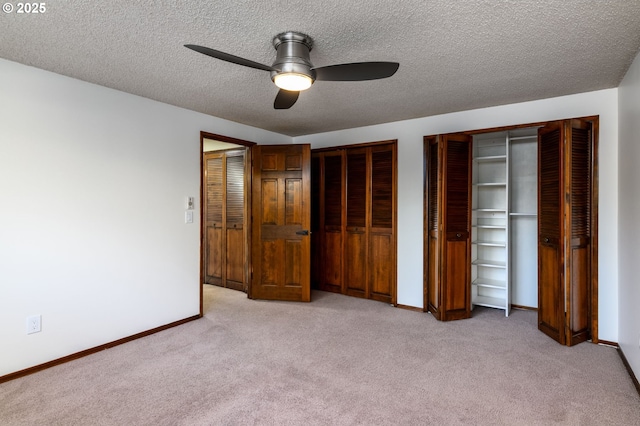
{"x":294,"y":82}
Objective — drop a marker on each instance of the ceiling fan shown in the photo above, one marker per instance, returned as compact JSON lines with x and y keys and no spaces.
{"x":293,"y":72}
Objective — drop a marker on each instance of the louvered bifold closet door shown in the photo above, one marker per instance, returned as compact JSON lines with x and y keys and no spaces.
{"x":357,"y":187}
{"x":317,"y":206}
{"x":579,"y":242}
{"x":432,"y":227}
{"x":382,"y":251}
{"x":448,"y":225}
{"x":213,"y":222}
{"x":456,"y":303}
{"x":235,"y":229}
{"x":550,"y":231}
{"x":565,"y":230}
{"x":333,"y":220}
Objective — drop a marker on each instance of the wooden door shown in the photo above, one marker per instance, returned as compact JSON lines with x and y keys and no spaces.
{"x":356,"y":244}
{"x":281,"y":199}
{"x":565,"y":230}
{"x":432,"y":228}
{"x":550,"y":231}
{"x":382,"y":247}
{"x":234,"y":205}
{"x":331,"y":198}
{"x":317,"y":203}
{"x":213,"y":217}
{"x":224,"y":219}
{"x":449,"y":226}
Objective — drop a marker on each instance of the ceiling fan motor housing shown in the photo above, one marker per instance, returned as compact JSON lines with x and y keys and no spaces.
{"x":292,"y":54}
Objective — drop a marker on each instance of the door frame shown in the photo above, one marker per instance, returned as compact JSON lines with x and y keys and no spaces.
{"x":247,"y":206}
{"x":593,"y":289}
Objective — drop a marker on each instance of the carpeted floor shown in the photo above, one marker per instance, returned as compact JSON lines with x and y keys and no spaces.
{"x":337,"y":360}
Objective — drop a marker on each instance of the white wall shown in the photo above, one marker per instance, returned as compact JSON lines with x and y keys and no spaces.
{"x":92,"y":232}
{"x":628,"y":225}
{"x":410,"y":181}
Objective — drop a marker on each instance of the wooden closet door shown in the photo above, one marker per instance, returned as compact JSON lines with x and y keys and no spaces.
{"x":225,"y":237}
{"x":580,"y":135}
{"x":235,"y":232}
{"x":433,"y":212}
{"x":333,"y":220}
{"x":449,"y":257}
{"x":317,"y":217}
{"x":213,"y":223}
{"x":565,"y":230}
{"x":356,"y":221}
{"x":551,"y":231}
{"x":382,"y":253}
{"x":356,"y":272}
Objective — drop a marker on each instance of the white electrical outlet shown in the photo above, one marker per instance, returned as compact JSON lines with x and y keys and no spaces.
{"x":34,"y":324}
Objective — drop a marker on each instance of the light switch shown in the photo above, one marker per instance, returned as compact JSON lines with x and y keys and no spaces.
{"x":188,"y":216}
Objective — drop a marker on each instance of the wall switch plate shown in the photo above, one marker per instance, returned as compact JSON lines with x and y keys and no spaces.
{"x":189,"y":203}
{"x":188,"y":216}
{"x":34,"y":324}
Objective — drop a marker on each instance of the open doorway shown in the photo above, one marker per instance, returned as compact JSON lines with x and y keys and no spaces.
{"x":225,"y":200}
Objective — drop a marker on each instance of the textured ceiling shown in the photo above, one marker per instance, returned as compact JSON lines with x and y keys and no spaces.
{"x":453,"y":55}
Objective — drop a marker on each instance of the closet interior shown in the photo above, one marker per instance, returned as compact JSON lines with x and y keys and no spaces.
{"x":504,"y":261}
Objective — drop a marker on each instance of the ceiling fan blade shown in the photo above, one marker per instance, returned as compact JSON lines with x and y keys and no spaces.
{"x":357,"y":71}
{"x":285,"y":99}
{"x":228,"y":57}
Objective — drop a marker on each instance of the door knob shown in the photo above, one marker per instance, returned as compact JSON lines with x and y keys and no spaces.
{"x":303,"y":232}
{"x":458,"y":235}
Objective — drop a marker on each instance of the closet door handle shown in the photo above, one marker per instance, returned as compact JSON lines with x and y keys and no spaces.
{"x":458,"y":235}
{"x":303,"y":232}
{"x":546,"y":239}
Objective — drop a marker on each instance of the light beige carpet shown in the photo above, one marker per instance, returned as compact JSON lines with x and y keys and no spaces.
{"x":337,"y":360}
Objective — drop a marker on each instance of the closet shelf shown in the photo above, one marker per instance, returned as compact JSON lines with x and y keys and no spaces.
{"x":490,"y":226}
{"x":490,"y":243}
{"x":522,"y":138}
{"x":490,"y":184}
{"x":490,"y":158}
{"x":490,"y":210}
{"x":490,"y":263}
{"x":523,"y":214}
{"x":485,"y":282}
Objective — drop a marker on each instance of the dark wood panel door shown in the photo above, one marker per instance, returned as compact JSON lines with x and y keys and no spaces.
{"x":281,"y":198}
{"x":449,"y":225}
{"x":565,"y":228}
